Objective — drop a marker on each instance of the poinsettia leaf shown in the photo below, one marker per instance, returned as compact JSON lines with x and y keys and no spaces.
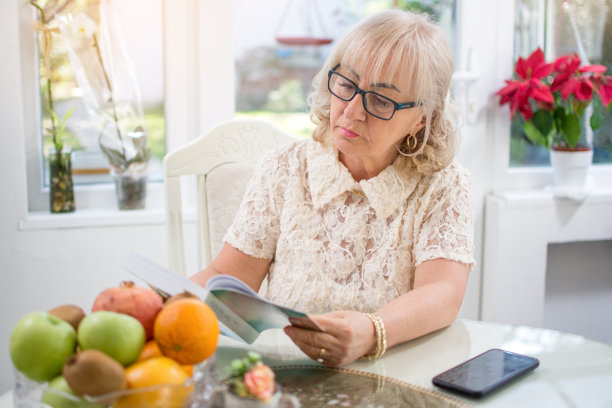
{"x":605,"y":92}
{"x":599,"y":69}
{"x":543,"y":121}
{"x":570,"y":129}
{"x":521,"y":68}
{"x":596,"y":119}
{"x":535,"y":136}
{"x":559,"y":113}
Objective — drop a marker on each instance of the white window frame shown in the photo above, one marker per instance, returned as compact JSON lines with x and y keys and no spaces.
{"x":188,"y":105}
{"x":506,"y":177}
{"x":199,"y":92}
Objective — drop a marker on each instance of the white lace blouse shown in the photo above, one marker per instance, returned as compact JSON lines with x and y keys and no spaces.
{"x":335,"y":249}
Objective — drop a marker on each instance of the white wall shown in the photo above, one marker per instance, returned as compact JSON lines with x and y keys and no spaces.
{"x":40,"y":269}
{"x":578,"y":289}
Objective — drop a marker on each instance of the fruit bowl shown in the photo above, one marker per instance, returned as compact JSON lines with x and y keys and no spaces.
{"x":196,"y":392}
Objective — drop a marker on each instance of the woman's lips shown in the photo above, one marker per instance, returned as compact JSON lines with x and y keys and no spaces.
{"x":348,"y":133}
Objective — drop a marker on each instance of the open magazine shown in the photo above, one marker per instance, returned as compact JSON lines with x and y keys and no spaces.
{"x":241,"y":312}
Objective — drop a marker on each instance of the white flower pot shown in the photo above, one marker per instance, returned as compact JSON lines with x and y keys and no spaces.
{"x":571,"y":171}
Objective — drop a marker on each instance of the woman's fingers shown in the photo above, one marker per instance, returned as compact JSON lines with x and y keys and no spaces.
{"x":344,"y":337}
{"x":311,"y":342}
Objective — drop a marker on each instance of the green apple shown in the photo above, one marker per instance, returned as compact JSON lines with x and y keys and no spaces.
{"x":40,"y":344}
{"x":117,"y":335}
{"x":59,"y":395}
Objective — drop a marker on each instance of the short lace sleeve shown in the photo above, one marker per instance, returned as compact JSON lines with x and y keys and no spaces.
{"x":256,"y":227}
{"x":447,"y":230}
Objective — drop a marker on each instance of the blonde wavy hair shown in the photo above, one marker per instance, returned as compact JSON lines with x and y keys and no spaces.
{"x":398,"y":42}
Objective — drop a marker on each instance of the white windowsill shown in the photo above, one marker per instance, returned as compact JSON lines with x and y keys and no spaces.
{"x":101,"y":217}
{"x":91,"y":218}
{"x":546,"y":196}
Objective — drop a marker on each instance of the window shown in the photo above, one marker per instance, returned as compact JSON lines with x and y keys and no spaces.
{"x":178,"y":46}
{"x":562,"y":27}
{"x":275,"y":62}
{"x":141,"y":22}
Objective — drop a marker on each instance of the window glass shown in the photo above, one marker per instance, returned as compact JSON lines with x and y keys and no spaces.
{"x":141,"y":22}
{"x":561,"y":27}
{"x":280,"y":45}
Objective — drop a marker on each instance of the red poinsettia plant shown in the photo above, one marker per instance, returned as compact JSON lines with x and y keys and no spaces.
{"x":551,"y":99}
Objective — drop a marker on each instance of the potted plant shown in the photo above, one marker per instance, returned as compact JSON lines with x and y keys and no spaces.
{"x":556,"y":103}
{"x":61,"y":192}
{"x":105,"y":73}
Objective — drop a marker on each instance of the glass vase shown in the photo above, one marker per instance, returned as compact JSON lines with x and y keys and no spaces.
{"x":131,"y":187}
{"x":61,"y":192}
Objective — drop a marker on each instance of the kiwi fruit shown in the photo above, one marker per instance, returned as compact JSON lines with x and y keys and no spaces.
{"x":72,"y":314}
{"x":93,"y":373}
{"x":178,"y":296}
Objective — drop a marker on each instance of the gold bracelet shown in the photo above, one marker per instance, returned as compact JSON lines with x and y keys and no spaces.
{"x":381,"y":337}
{"x":384,"y":336}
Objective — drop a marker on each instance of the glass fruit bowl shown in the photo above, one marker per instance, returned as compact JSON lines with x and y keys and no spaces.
{"x":196,"y":392}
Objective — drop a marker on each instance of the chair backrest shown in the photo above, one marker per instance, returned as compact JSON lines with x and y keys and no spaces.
{"x":222,"y":161}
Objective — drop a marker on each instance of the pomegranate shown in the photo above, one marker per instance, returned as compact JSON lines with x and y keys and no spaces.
{"x":127,"y":298}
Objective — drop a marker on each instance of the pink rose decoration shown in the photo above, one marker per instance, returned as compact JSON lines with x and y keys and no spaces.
{"x":260,"y":381}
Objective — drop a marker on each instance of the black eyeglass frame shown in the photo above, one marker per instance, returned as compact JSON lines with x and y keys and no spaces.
{"x":396,"y":106}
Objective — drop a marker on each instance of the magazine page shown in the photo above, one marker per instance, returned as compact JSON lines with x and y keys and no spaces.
{"x":168,"y":283}
{"x":262,"y":316}
{"x":241,"y":312}
{"x":231,"y":283}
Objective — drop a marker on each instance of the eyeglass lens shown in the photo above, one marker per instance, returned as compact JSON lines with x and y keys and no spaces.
{"x":374,"y":103}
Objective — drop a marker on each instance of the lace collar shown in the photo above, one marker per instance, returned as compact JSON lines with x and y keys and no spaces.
{"x":328,"y":178}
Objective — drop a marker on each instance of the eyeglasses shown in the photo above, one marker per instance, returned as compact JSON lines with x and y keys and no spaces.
{"x":374,"y":103}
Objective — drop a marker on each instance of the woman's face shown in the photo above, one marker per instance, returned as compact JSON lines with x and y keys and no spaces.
{"x":366,"y":143}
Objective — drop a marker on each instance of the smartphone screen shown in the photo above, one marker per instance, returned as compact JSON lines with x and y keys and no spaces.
{"x":486,"y":372}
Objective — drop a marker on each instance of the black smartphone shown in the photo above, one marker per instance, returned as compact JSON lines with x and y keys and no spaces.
{"x":485,"y":373}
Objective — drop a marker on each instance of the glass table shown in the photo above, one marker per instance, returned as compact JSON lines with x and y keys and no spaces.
{"x":573,"y":372}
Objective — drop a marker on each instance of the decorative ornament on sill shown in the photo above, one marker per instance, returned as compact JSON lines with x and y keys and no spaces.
{"x":557,"y":105}
{"x":106,"y":75}
{"x":61,"y":192}
{"x":313,"y":31}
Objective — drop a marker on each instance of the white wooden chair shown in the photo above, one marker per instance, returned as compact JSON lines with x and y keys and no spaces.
{"x":222,"y":161}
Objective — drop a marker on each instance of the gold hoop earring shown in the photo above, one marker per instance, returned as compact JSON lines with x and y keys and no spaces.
{"x":411,"y":141}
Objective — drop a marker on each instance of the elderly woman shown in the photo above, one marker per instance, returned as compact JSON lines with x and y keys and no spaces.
{"x":368,"y":225}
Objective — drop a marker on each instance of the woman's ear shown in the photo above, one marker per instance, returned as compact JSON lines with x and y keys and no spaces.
{"x":419,"y":126}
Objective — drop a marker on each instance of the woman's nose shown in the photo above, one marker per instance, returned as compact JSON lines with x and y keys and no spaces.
{"x":354,"y":108}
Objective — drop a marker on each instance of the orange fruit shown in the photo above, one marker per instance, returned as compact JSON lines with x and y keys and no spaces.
{"x":156,"y":382}
{"x":150,"y":350}
{"x":186,"y":330}
{"x":155,"y":371}
{"x":188,"y":369}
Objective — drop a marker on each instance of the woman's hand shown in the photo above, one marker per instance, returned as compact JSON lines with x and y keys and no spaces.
{"x":344,"y":336}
